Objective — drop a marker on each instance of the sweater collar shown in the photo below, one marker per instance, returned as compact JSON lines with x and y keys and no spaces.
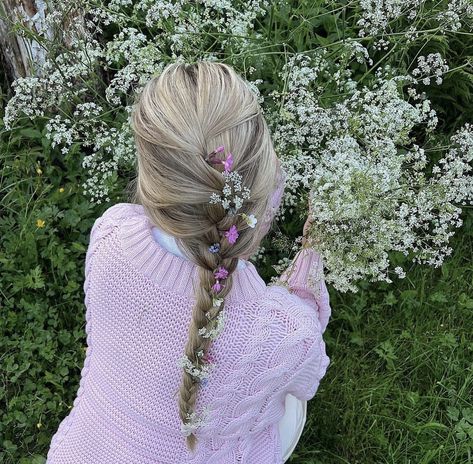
{"x":174,"y":272}
{"x":169,"y":242}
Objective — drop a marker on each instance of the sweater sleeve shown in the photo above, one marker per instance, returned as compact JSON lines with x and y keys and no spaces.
{"x":310,"y":367}
{"x":101,"y":228}
{"x":305,"y":278}
{"x":301,"y":352}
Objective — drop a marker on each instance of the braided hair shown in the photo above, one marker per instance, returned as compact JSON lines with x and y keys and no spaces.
{"x":178,"y":119}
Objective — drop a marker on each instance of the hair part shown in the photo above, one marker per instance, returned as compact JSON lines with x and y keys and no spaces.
{"x":179,"y":117}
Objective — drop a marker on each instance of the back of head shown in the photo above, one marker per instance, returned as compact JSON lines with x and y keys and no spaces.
{"x":180,"y":117}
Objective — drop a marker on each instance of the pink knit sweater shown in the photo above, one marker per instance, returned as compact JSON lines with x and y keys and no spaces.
{"x":139,"y":299}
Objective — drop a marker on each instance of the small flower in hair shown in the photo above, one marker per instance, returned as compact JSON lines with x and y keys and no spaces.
{"x":199,"y":372}
{"x":217,"y":286}
{"x":221,"y":273}
{"x":214,"y":248}
{"x":233,"y":193}
{"x":250,"y":220}
{"x":232,"y":234}
{"x":211,"y":158}
{"x":218,"y":326}
{"x":207,"y":358}
{"x":228,"y":162}
{"x":194,"y":421}
{"x":217,"y":301}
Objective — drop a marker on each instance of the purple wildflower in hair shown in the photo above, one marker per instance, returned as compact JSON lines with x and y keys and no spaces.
{"x":228,"y":162}
{"x":221,"y":273}
{"x":212,"y":157}
{"x":217,"y":286}
{"x":214,"y":248}
{"x":207,"y":358}
{"x":232,"y":234}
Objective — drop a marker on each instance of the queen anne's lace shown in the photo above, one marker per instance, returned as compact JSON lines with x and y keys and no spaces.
{"x":200,"y":372}
{"x":194,"y":421}
{"x":233,"y":193}
{"x":214,"y":332}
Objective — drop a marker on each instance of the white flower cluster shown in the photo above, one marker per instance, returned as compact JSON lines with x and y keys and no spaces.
{"x":233,"y":193}
{"x":433,"y":65}
{"x":454,"y":171}
{"x":377,"y":14}
{"x":282,"y":264}
{"x":457,"y":11}
{"x":215,"y":331}
{"x":194,"y":421}
{"x":259,"y":255}
{"x":201,"y":372}
{"x":367,"y":177}
{"x":375,"y":204}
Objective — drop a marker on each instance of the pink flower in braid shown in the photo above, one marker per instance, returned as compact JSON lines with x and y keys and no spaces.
{"x":221,"y":273}
{"x":232,"y":234}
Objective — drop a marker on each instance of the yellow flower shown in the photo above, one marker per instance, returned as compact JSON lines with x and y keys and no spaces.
{"x":40,"y":223}
{"x":39,"y":425}
{"x":38,"y":170}
{"x":61,"y":189}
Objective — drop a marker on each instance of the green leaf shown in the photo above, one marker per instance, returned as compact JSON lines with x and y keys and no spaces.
{"x":34,"y":279}
{"x":31,"y":133}
{"x":453,"y":413}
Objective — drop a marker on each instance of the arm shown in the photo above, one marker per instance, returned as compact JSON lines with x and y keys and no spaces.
{"x":101,"y":228}
{"x":307,"y":359}
{"x":301,"y":350}
{"x":304,"y":277}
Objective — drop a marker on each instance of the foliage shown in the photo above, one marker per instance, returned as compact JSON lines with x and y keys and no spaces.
{"x":400,"y":390}
{"x":345,"y":88}
{"x":44,"y":225}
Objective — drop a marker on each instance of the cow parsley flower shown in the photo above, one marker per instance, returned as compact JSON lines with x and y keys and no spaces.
{"x":194,"y":421}
{"x":199,"y":372}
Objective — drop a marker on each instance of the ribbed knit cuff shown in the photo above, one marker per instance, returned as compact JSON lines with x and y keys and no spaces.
{"x":299,"y":269}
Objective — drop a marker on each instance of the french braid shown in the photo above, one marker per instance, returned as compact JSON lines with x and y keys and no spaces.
{"x":204,"y":312}
{"x":179,"y":115}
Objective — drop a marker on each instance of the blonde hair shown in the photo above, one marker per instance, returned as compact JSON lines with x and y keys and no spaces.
{"x":179,"y":117}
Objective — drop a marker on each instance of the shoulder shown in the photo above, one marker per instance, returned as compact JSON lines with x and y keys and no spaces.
{"x":104,"y":227}
{"x":121,"y":211}
{"x":112,"y":217}
{"x":106,"y":224}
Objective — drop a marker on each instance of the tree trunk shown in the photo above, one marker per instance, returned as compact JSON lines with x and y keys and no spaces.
{"x":21,"y":56}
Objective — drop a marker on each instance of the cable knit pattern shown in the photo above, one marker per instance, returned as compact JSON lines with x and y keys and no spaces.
{"x":139,"y":300}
